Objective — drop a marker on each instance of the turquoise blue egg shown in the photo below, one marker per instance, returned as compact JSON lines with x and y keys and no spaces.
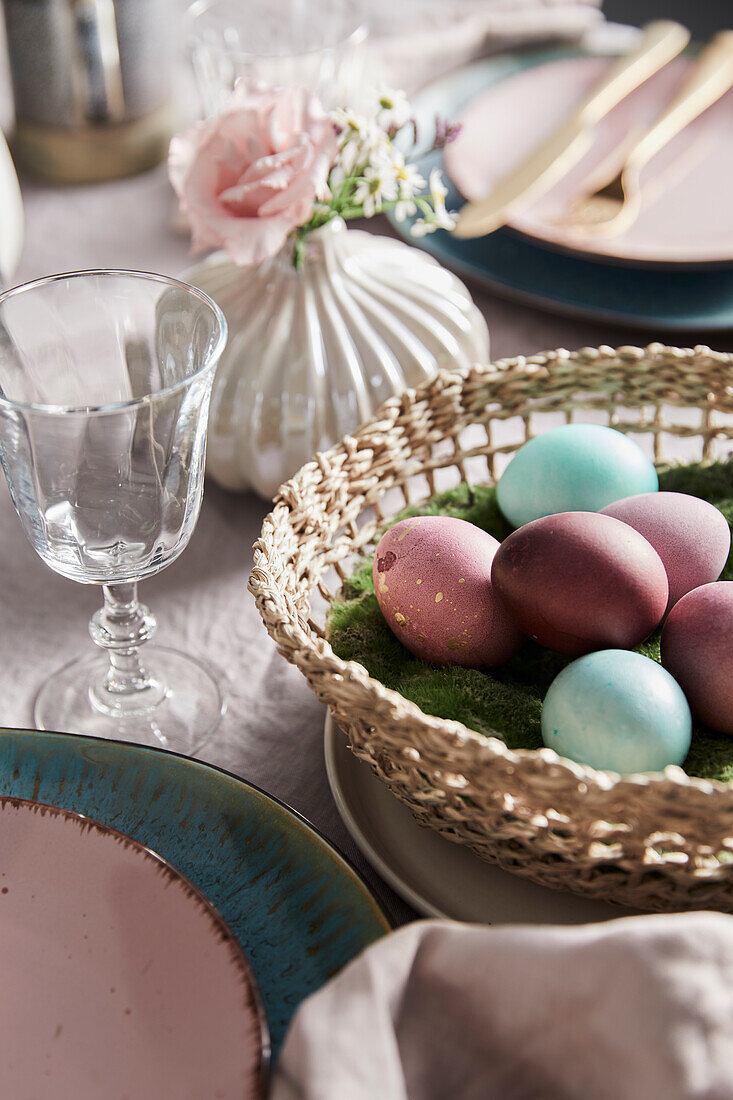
{"x":617,"y":710}
{"x":575,"y":468}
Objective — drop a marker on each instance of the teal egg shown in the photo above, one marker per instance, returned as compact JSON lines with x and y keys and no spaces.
{"x":575,"y":468}
{"x":619,"y":711}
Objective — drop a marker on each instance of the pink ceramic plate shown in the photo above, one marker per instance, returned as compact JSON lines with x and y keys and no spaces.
{"x":118,"y":977}
{"x":687,"y":217}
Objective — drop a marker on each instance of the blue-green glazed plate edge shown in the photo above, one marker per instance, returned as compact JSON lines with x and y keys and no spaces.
{"x":338,"y":914}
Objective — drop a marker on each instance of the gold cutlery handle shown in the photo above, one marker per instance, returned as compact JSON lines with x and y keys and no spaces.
{"x":711,"y":78}
{"x":660,"y":41}
{"x":555,"y":156}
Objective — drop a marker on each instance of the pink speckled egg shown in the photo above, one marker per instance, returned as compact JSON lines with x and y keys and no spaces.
{"x":580,"y":581}
{"x":691,"y":536}
{"x":432,"y":577}
{"x":697,"y":649}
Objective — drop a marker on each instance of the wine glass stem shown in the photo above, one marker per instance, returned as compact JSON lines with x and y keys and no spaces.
{"x":121,"y":627}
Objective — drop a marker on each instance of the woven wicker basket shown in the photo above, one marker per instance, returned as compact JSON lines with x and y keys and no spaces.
{"x":654,"y":842}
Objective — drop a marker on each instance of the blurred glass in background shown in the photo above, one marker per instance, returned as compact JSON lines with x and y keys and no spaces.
{"x":317,"y":45}
{"x":92,"y":84}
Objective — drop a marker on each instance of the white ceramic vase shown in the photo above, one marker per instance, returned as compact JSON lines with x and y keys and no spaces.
{"x":312,"y":353}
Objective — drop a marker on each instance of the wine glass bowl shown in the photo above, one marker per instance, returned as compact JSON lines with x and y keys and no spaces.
{"x":105,"y":380}
{"x":278,"y":42}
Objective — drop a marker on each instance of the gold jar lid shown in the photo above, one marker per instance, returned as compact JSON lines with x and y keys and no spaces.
{"x":94,"y":153}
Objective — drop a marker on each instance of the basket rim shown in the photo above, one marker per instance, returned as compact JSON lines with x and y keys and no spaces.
{"x":302,"y":639}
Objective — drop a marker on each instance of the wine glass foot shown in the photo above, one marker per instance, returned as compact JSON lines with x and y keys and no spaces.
{"x":182,"y":717}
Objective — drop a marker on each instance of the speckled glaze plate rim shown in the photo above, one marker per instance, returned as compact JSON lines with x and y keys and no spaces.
{"x":37,"y":740}
{"x":192,"y":893}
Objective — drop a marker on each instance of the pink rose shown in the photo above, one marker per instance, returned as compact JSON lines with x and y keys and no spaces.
{"x":246,"y":178}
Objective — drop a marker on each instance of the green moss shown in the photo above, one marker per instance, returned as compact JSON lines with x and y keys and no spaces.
{"x":507,"y":701}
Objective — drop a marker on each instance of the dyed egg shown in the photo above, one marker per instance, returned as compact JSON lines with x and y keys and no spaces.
{"x":575,"y":468}
{"x":580,"y":581}
{"x":617,"y":710}
{"x":432,"y":578}
{"x":691,"y":536}
{"x":697,"y":648}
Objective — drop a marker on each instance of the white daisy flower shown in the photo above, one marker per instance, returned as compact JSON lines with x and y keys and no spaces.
{"x":393,"y":109}
{"x":354,"y":131}
{"x":348,"y":123}
{"x":363,"y":147}
{"x":409,"y":180}
{"x":377,"y":186}
{"x":438,"y":190}
{"x":421,"y":228}
{"x":444,"y":220}
{"x":336,"y":177}
{"x":375,"y":144}
{"x":438,"y":217}
{"x":349,"y":157}
{"x":405,"y":208}
{"x":441,"y":218}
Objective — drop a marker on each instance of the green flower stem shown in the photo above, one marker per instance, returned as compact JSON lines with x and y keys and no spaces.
{"x":299,"y":251}
{"x":342,"y":205}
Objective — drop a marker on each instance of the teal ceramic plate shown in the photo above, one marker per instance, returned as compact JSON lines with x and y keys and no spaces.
{"x":686,"y":300}
{"x":296,"y":906}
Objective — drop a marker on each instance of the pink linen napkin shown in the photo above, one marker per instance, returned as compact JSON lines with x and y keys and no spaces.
{"x":639,"y":1008}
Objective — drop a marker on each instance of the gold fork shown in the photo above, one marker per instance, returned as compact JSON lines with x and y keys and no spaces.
{"x":612,"y":207}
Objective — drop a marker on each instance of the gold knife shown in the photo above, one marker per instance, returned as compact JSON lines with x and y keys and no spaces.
{"x":661,"y":41}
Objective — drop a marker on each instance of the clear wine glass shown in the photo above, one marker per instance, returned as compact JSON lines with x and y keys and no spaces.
{"x":105,"y":380}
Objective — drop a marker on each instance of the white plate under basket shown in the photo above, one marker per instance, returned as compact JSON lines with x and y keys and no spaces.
{"x":437,"y":877}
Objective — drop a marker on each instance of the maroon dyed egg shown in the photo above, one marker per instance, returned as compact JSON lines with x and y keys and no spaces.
{"x":432,"y":578}
{"x":697,"y":649}
{"x":580,"y":581}
{"x":691,"y":536}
